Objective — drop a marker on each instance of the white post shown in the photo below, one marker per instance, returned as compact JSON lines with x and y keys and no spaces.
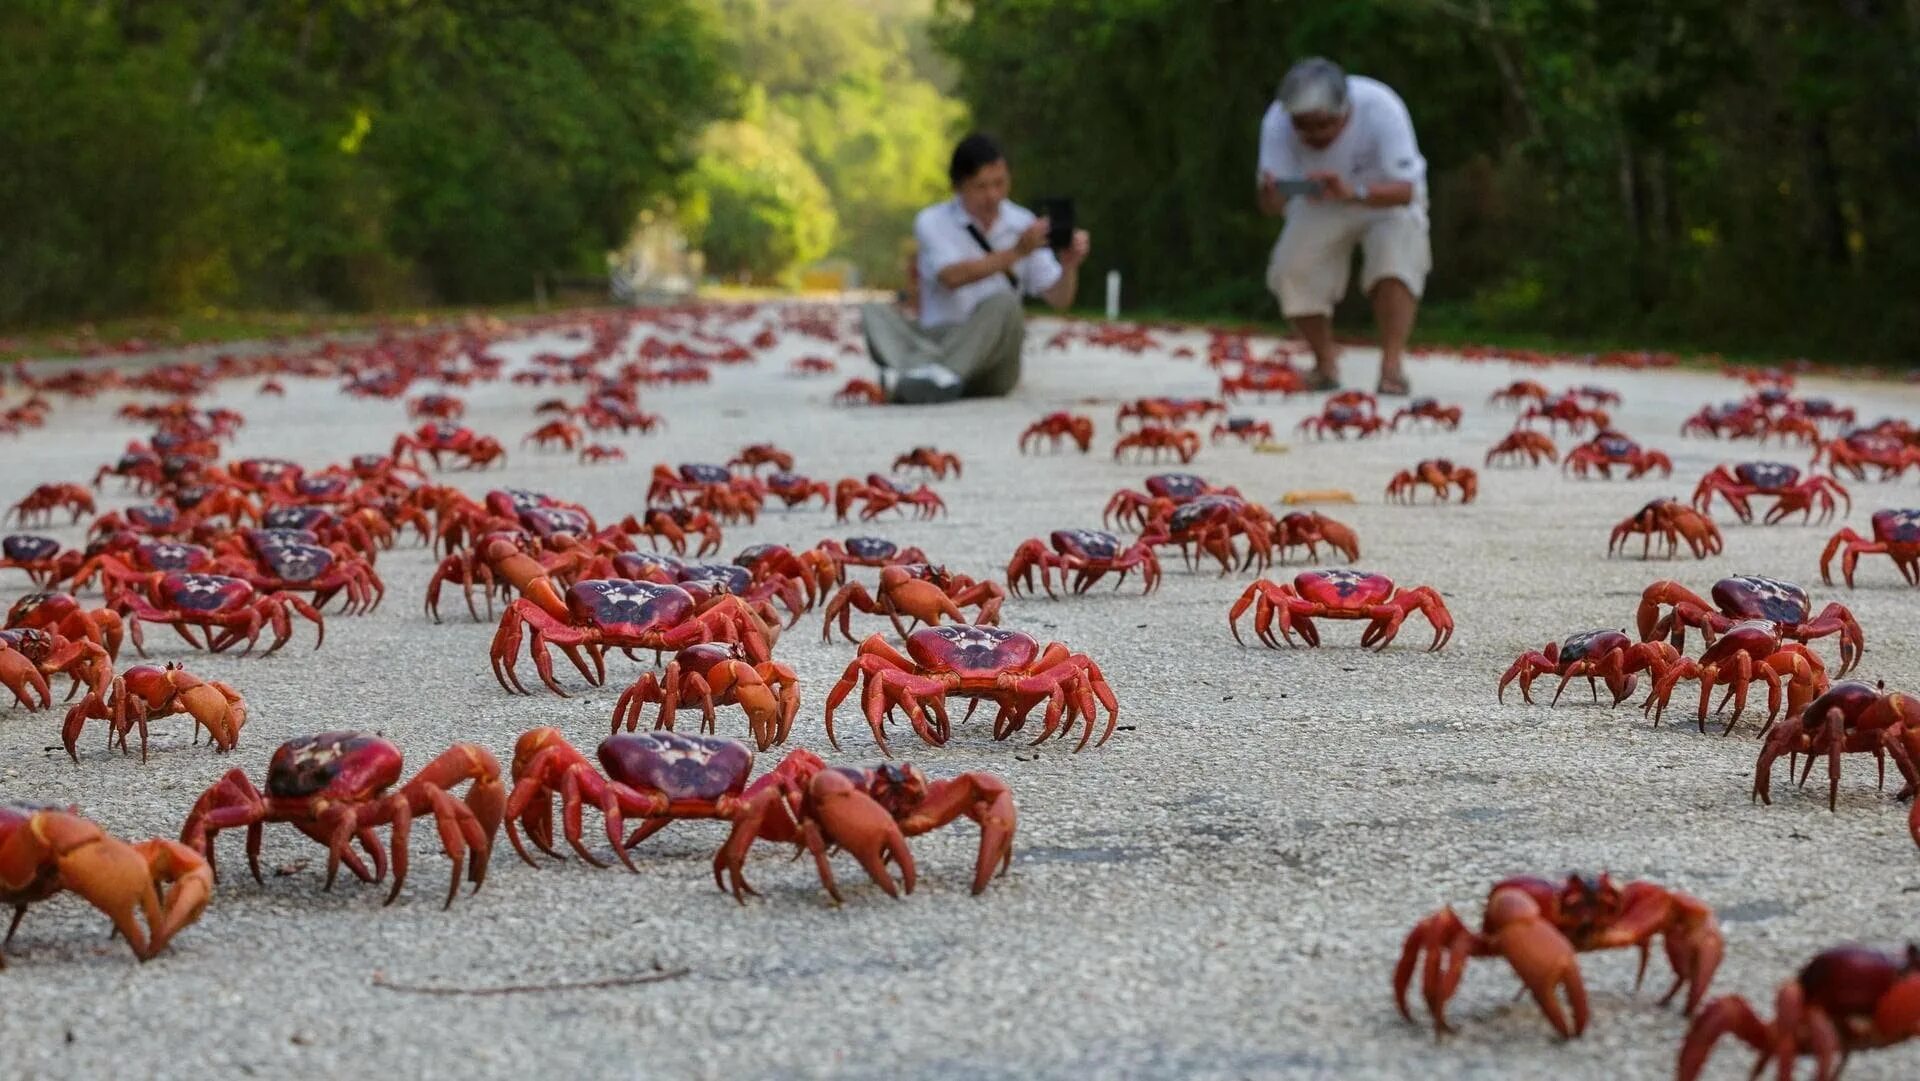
{"x":1113,"y":294}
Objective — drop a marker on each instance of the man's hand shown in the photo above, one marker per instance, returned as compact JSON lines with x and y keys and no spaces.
{"x":1076,"y":252}
{"x":1033,"y":238}
{"x":1333,"y":188}
{"x":1270,"y":200}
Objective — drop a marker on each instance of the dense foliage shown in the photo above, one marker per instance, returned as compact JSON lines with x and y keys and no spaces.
{"x":159,"y":157}
{"x":1733,"y":173}
{"x":851,"y":92}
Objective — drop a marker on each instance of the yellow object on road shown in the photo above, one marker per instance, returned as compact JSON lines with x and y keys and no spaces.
{"x":1269,"y":447}
{"x":1321,"y":495}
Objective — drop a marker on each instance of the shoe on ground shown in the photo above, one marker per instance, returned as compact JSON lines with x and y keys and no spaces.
{"x":928,"y":384}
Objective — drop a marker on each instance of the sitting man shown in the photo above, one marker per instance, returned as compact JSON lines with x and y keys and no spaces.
{"x":978,"y":254}
{"x":1351,"y":140}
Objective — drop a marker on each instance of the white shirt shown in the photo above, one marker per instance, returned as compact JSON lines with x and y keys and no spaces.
{"x":1377,"y":144}
{"x":941,"y":232}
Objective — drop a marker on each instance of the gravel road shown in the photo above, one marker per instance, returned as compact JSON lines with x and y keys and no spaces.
{"x":1220,"y":891}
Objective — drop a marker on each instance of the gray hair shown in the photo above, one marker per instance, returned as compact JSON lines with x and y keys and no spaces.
{"x":1314,"y":85}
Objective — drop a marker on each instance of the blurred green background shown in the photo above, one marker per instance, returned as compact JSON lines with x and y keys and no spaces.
{"x":1727,"y":174}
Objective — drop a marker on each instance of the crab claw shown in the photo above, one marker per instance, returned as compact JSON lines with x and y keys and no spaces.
{"x":853,"y":820}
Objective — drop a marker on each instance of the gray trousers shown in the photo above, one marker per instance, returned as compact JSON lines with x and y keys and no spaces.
{"x":984,"y":351}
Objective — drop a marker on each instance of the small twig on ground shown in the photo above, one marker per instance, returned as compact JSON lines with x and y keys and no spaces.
{"x":380,"y":980}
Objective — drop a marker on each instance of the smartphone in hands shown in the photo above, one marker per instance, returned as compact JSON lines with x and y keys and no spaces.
{"x":1298,"y":186}
{"x":1060,"y":223}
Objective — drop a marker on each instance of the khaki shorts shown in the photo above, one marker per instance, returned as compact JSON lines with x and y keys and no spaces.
{"x":1312,"y":259}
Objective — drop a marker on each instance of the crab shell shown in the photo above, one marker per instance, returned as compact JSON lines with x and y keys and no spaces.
{"x":1343,"y":589}
{"x":553,"y":521}
{"x":1757,"y":638}
{"x":1894,"y":526}
{"x":1085,"y":543}
{"x":350,"y":767}
{"x":971,"y":653}
{"x":1578,"y":647}
{"x":1179,"y":487}
{"x":26,"y":547}
{"x":873,"y":548}
{"x":205,"y":592}
{"x":677,"y":766}
{"x":701,"y":473}
{"x":297,"y":562}
{"x":1752,"y":596}
{"x":1767,"y":476}
{"x":628,"y":609}
{"x":305,"y":518}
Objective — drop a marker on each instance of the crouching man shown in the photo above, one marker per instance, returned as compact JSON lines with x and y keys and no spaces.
{"x":979,"y":254}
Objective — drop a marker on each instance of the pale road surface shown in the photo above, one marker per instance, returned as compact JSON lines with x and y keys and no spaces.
{"x":1220,"y":891}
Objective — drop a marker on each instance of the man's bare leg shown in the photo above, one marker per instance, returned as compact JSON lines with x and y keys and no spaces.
{"x":1394,"y":307}
{"x":1318,"y":332}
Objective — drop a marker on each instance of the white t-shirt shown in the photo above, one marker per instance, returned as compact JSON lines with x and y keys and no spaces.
{"x":1377,"y":144}
{"x":941,"y":231}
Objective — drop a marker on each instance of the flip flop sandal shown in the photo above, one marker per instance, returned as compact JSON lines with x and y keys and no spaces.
{"x":1317,"y":381}
{"x":1393,"y":388}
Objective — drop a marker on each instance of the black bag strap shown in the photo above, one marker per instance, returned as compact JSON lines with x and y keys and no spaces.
{"x":980,"y":239}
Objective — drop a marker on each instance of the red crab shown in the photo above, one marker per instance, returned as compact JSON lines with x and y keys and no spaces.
{"x":1088,"y":554}
{"x":1166,"y":411}
{"x":675,"y":525}
{"x":1541,"y":927}
{"x":881,"y":495}
{"x":804,"y":366}
{"x":1437,"y":473}
{"x":1845,"y":1000}
{"x":1208,"y":525}
{"x":861,"y":392}
{"x":1309,"y":530}
{"x":1672,"y":521}
{"x":597,"y":614}
{"x":921,"y":592}
{"x":436,"y":407}
{"x":28,"y":655}
{"x":755,"y":455}
{"x":39,"y":505}
{"x":45,"y":851}
{"x":1747,"y":651}
{"x":1596,"y":395}
{"x":929,"y":459}
{"x":1245,"y":429}
{"x":1164,"y":492}
{"x":1850,"y":717}
{"x":866,"y":552}
{"x":1521,"y":443}
{"x":710,"y":674}
{"x":566,"y":434}
{"x":1854,"y":452}
{"x":1155,"y":439}
{"x":144,"y":692}
{"x":1419,"y":409}
{"x":795,"y":490}
{"x":292,"y":567}
{"x":473,"y":450}
{"x":1057,"y":426}
{"x":333,"y":787}
{"x":1744,"y":597}
{"x":712,"y":488}
{"x":1523,"y":390}
{"x":596,"y":453}
{"x":1338,"y":594}
{"x":813,"y":569}
{"x":1340,"y":417}
{"x":210,"y":601}
{"x":1610,"y":449}
{"x":1896,"y":534}
{"x":1261,"y":378}
{"x":41,"y":557}
{"x":1008,"y":668}
{"x":1609,"y":656}
{"x":1566,"y":410}
{"x":62,"y":614}
{"x":661,"y":777}
{"x":1733,"y":420}
{"x":1747,"y":479}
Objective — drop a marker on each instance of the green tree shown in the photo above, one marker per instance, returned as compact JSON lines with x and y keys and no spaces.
{"x":758,"y":210}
